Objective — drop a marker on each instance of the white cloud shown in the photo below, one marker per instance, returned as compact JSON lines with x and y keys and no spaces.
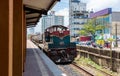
{"x":91,"y":4}
{"x":38,"y":26}
{"x":96,"y":5}
{"x":64,"y":12}
{"x":102,"y":4}
{"x":65,"y":1}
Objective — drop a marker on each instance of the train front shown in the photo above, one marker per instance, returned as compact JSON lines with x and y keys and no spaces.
{"x":61,"y":50}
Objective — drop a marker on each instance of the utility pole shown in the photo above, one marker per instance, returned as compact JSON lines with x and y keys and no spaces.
{"x":116,"y":35}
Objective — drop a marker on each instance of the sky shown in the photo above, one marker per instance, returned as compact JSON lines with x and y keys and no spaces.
{"x":62,"y":8}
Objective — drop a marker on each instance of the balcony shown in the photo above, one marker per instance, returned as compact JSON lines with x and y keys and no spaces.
{"x":80,"y":17}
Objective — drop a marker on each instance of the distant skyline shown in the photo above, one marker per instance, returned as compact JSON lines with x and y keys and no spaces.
{"x":62,"y":8}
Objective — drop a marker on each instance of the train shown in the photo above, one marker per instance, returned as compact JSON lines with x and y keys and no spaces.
{"x":57,"y":45}
{"x":36,"y":38}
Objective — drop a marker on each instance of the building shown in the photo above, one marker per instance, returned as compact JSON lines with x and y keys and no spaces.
{"x":116,"y":23}
{"x":31,"y":30}
{"x":51,"y":19}
{"x":103,"y":17}
{"x":77,"y":16}
{"x":108,"y":19}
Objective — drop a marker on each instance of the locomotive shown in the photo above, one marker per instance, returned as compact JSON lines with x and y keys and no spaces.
{"x":57,"y":45}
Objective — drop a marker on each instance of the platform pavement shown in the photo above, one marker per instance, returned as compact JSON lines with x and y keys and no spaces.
{"x":38,"y":64}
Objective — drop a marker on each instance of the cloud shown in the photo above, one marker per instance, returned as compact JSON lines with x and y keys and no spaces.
{"x":64,"y":12}
{"x":61,"y":5}
{"x":38,"y":27}
{"x":96,"y":5}
{"x":65,"y":1}
{"x":102,"y":4}
{"x":61,"y":8}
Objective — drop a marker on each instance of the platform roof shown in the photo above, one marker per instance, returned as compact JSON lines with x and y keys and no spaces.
{"x":35,"y":8}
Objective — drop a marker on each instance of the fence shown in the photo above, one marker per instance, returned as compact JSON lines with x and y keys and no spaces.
{"x":105,"y":58}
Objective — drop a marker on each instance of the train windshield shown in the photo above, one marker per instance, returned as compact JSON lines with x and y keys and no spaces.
{"x":59,"y":29}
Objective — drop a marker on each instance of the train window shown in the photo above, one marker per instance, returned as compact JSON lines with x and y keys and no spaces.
{"x":51,"y":40}
{"x":63,"y":29}
{"x":47,"y":36}
{"x":47,"y":30}
{"x":59,"y":29}
{"x":54,"y":29}
{"x":51,"y":29}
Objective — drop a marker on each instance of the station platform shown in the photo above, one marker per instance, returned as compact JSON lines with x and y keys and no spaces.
{"x":38,"y":64}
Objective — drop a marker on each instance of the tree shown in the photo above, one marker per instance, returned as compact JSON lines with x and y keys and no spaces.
{"x":90,"y":28}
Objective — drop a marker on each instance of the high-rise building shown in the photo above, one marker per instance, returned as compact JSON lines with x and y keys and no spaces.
{"x":51,"y":19}
{"x":31,"y":30}
{"x":77,"y":16}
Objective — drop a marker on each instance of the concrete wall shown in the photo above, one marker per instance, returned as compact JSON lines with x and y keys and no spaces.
{"x":116,"y":16}
{"x":115,"y":20}
{"x":102,"y":57}
{"x":114,"y":23}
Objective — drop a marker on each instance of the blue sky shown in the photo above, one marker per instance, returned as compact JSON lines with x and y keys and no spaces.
{"x":62,"y":8}
{"x":61,"y":5}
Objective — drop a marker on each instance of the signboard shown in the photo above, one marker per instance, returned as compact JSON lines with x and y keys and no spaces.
{"x":101,"y":13}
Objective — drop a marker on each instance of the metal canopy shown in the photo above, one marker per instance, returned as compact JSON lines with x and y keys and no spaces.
{"x":35,"y":8}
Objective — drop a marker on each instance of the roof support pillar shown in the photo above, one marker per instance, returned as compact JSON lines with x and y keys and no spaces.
{"x":24,"y":33}
{"x":13,"y":38}
{"x":4,"y":38}
{"x":18,"y":37}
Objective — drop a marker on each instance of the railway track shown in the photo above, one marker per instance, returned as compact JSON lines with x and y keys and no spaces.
{"x":74,"y":70}
{"x":105,"y":73}
{"x":90,"y":73}
{"x":69,"y":71}
{"x":81,"y":69}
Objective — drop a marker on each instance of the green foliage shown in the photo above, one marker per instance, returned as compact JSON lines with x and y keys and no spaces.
{"x":90,"y":28}
{"x":99,"y":27}
{"x":110,"y":40}
{"x":82,"y":32}
{"x":87,"y":62}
